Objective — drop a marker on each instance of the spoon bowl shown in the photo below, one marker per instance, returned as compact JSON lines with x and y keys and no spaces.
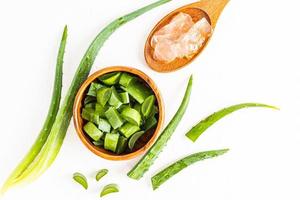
{"x":210,"y":9}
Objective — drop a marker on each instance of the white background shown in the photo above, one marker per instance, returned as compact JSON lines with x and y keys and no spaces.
{"x":252,"y":57}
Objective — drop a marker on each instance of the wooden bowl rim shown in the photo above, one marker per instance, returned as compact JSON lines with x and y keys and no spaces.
{"x":77,"y":110}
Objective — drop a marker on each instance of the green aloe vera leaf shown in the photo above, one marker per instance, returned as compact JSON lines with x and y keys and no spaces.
{"x":148,"y":106}
{"x":108,"y":189}
{"x":81,"y":179}
{"x":57,"y":134}
{"x":101,"y":173}
{"x":179,"y":165}
{"x":128,"y":129}
{"x":104,"y":125}
{"x":114,"y":118}
{"x":103,"y":95}
{"x":111,"y":141}
{"x":132,"y":116}
{"x":110,"y":78}
{"x":92,"y":131}
{"x":148,"y":159}
{"x":134,"y":138}
{"x":94,"y":87}
{"x":52,"y":112}
{"x":199,"y":128}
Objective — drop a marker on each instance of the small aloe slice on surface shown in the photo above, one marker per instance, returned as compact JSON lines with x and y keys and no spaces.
{"x":199,"y":128}
{"x":110,"y":188}
{"x":101,"y":173}
{"x":81,"y":179}
{"x":176,"y":167}
{"x":134,"y":138}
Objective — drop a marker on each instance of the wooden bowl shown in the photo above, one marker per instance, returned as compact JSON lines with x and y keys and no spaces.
{"x":143,"y":143}
{"x":210,"y":9}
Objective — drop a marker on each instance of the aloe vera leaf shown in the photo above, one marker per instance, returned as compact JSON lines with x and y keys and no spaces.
{"x":81,"y":179}
{"x":134,"y":138}
{"x":164,"y":175}
{"x":111,"y":188}
{"x":101,"y":173}
{"x":52,"y":112}
{"x":61,"y":124}
{"x":148,"y":159}
{"x":199,"y":128}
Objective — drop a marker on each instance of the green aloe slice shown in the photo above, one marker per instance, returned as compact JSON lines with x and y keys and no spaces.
{"x":199,"y":128}
{"x":122,"y":144}
{"x":101,"y":173}
{"x":125,"y":97}
{"x":126,"y":79}
{"x":138,"y":91}
{"x":131,"y":115}
{"x":94,"y":87}
{"x":150,"y":123}
{"x":103,"y":95}
{"x":92,"y":131}
{"x":128,"y":129}
{"x":148,"y":159}
{"x":111,"y":188}
{"x":115,"y":99}
{"x":104,"y":125}
{"x":134,"y":138}
{"x":89,"y":99}
{"x":176,"y":167}
{"x":90,"y":115}
{"x":99,"y":143}
{"x":100,"y":110}
{"x":110,"y":78}
{"x":81,"y":179}
{"x":90,"y":105}
{"x":111,"y":141}
{"x":148,"y":106}
{"x":114,"y":118}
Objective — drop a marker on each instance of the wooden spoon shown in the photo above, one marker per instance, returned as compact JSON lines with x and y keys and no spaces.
{"x":210,"y":9}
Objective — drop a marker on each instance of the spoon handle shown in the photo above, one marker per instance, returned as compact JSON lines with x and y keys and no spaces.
{"x":213,"y":8}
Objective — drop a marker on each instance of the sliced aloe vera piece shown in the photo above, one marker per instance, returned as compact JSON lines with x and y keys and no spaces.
{"x":114,"y":118}
{"x":148,"y":106}
{"x":103,"y":95}
{"x":104,"y":125}
{"x":89,"y":99}
{"x":92,"y":131}
{"x":81,"y":179}
{"x":135,"y":138}
{"x":131,"y":115}
{"x":90,"y":115}
{"x":125,"y":97}
{"x":111,"y":141}
{"x":94,"y":87}
{"x":128,"y":129}
{"x":101,"y":173}
{"x":138,"y":91}
{"x":122,"y":144}
{"x":126,"y":79}
{"x":111,"y":188}
{"x":99,"y":143}
{"x":90,"y":105}
{"x":100,"y":110}
{"x":110,"y":78}
{"x":115,"y":100}
{"x":150,"y":123}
